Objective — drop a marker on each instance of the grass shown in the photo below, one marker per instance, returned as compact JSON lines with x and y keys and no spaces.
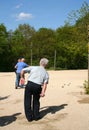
{"x":86,"y":86}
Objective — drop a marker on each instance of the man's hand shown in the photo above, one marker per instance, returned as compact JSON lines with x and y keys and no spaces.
{"x":22,"y":81}
{"x":43,"y":90}
{"x":42,"y":94}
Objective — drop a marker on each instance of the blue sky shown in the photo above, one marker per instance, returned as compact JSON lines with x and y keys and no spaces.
{"x":37,"y":13}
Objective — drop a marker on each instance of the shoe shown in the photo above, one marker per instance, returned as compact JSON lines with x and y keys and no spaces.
{"x":16,"y":87}
{"x":36,"y":119}
{"x":29,"y":120}
{"x":22,"y":86}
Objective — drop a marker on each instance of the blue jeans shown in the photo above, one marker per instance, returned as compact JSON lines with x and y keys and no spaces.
{"x":17,"y":79}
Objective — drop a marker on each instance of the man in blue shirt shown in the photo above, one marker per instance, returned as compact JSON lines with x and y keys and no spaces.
{"x":19,"y":66}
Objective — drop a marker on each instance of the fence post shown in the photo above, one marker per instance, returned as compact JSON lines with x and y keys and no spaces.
{"x":88,"y":54}
{"x":55,"y":60}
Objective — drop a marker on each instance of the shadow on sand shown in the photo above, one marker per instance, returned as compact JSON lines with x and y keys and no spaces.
{"x":2,"y":98}
{"x":51,"y":109}
{"x":6,"y":120}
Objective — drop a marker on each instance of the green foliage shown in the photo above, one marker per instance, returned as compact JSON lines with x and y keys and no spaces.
{"x":85,"y":84}
{"x":69,"y":41}
{"x":76,"y":15}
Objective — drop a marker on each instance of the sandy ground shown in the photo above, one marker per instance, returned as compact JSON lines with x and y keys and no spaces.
{"x":65,"y":106}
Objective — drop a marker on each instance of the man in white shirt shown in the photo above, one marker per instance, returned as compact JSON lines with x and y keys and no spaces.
{"x":35,"y":88}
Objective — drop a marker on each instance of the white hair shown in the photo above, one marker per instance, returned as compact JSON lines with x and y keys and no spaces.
{"x":44,"y":61}
{"x":23,"y":59}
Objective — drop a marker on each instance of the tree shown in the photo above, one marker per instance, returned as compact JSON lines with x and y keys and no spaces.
{"x":44,"y":44}
{"x":77,"y":15}
{"x":4,"y":49}
{"x":21,"y":41}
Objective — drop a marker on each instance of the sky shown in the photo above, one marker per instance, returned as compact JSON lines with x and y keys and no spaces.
{"x":37,"y":13}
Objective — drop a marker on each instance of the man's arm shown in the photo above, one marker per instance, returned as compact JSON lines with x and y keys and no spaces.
{"x":43,"y":90}
{"x":22,"y":73}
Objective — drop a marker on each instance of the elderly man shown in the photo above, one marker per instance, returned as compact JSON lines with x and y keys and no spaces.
{"x":35,"y":88}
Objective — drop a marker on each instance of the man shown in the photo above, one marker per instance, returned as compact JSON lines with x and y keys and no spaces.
{"x":35,"y":88}
{"x":19,"y":66}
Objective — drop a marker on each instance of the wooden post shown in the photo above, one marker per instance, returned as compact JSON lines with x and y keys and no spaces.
{"x":31,"y":54}
{"x":55,"y":60}
{"x":88,"y":54}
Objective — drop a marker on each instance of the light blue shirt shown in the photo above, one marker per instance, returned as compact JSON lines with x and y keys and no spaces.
{"x":37,"y":75}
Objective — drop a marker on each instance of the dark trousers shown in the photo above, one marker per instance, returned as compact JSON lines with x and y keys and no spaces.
{"x":31,"y":100}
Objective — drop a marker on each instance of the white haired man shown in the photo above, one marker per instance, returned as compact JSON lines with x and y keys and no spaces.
{"x":35,"y":88}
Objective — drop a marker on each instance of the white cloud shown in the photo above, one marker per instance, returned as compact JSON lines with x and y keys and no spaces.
{"x":18,"y":6}
{"x":24,"y":16}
